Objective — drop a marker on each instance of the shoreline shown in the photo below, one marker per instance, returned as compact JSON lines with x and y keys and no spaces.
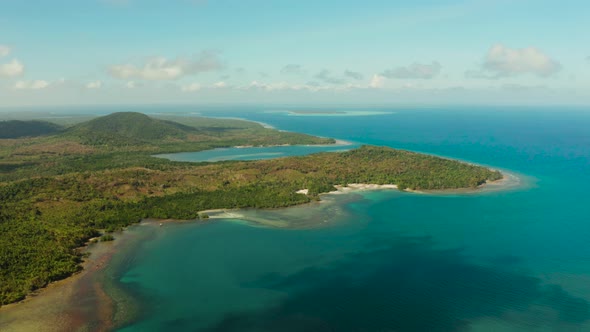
{"x":509,"y":181}
{"x":103,"y":310}
{"x":86,"y":301}
{"x":352,"y":187}
{"x":60,"y":307}
{"x":263,"y":124}
{"x":344,"y":113}
{"x":337,"y":142}
{"x":346,"y":145}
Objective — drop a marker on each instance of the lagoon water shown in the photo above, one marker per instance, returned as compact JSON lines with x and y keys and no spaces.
{"x":255,"y":153}
{"x":513,"y":260}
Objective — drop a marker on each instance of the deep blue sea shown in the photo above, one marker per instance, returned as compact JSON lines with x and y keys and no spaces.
{"x":514,"y":260}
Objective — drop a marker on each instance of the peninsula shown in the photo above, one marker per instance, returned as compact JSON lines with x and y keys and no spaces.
{"x":62,"y":186}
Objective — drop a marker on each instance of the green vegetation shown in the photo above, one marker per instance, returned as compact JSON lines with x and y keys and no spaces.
{"x":129,"y":139}
{"x":128,"y":128}
{"x":18,"y":129}
{"x":106,"y":238}
{"x":58,"y":192}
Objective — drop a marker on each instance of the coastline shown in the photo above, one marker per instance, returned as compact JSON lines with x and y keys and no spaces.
{"x":263,"y":124}
{"x":89,"y":300}
{"x":329,"y":113}
{"x":60,"y":306}
{"x":509,"y":181}
{"x":250,"y":216}
{"x":67,"y":304}
{"x":337,"y":142}
{"x":92,"y":265}
{"x":351,"y":187}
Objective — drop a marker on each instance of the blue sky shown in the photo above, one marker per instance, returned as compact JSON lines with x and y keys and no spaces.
{"x":282,"y":51}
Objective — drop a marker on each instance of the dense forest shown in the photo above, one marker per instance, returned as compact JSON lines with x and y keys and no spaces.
{"x":18,"y":128}
{"x":129,"y":139}
{"x":55,"y":200}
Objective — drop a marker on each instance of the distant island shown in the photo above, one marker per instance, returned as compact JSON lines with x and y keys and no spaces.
{"x":316,"y":112}
{"x":61,"y":187}
{"x":330,"y":113}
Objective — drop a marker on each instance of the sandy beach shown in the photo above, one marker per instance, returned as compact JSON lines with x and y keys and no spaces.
{"x":362,"y":187}
{"x":508,"y":182}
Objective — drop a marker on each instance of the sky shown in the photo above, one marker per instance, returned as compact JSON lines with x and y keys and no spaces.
{"x":422,"y":52}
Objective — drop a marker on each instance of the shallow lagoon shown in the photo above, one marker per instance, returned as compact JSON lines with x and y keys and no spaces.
{"x":255,"y":153}
{"x":380,"y":262}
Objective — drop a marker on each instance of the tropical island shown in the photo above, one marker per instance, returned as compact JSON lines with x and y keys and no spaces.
{"x":63,"y":186}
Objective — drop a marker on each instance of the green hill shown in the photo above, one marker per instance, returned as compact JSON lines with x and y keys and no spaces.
{"x":137,"y":131}
{"x":128,"y":128}
{"x":18,"y":129}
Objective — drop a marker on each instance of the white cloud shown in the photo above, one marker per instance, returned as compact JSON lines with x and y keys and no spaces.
{"x":502,"y":61}
{"x":353,"y":74}
{"x":377,"y":82}
{"x":480,"y":74}
{"x":13,"y":68}
{"x":255,"y":85}
{"x":258,"y":86}
{"x":4,"y":50}
{"x":284,"y":86}
{"x":160,"y":68}
{"x":414,"y":71}
{"x":293,"y":69}
{"x":94,"y":85}
{"x":327,"y":77}
{"x":191,"y":87}
{"x":31,"y":85}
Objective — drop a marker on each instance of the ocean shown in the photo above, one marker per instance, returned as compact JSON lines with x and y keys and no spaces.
{"x":509,"y":260}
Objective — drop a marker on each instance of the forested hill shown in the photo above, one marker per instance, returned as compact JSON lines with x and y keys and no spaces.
{"x":129,"y":127}
{"x":137,"y":131}
{"x":129,"y":139}
{"x":18,"y":129}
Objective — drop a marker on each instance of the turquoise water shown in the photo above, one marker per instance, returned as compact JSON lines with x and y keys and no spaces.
{"x":515,"y":260}
{"x":255,"y":153}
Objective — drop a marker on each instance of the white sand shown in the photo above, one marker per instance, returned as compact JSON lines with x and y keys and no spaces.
{"x":361,"y":187}
{"x":342,"y":142}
